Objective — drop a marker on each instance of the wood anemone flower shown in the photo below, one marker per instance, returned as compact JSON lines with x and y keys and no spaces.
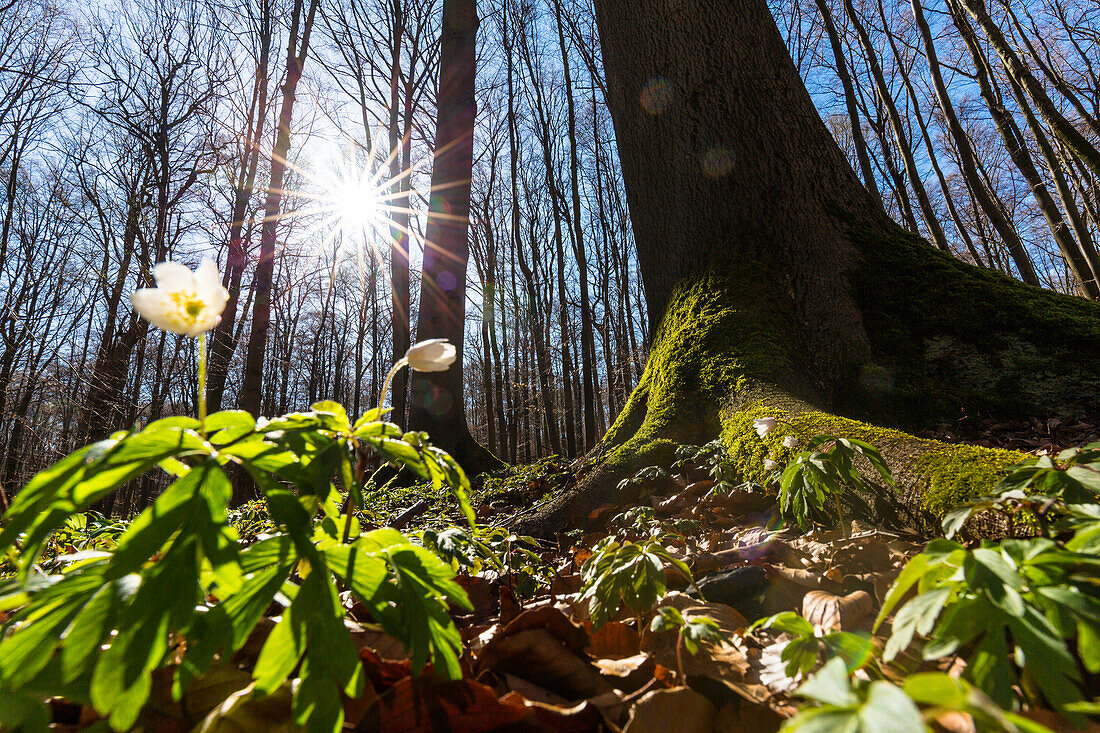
{"x":432,"y":355}
{"x":183,"y":302}
{"x":764,"y":425}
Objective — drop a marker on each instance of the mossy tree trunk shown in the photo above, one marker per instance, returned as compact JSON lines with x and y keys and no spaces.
{"x":777,"y":285}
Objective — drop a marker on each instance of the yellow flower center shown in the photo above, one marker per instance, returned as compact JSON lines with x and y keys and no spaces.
{"x":189,"y":303}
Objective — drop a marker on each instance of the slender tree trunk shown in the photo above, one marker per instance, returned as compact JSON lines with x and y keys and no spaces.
{"x":887,"y":100}
{"x":588,"y":346}
{"x":1063,"y":128}
{"x":399,"y":237}
{"x":250,"y":398}
{"x":841,"y":63}
{"x":993,"y":209}
{"x":1017,"y":148}
{"x":437,"y":403}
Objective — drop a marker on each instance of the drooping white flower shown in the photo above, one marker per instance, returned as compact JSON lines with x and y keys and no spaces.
{"x":790,"y":442}
{"x":184,"y":302}
{"x":433,"y":355}
{"x":770,"y":465}
{"x":764,"y":425}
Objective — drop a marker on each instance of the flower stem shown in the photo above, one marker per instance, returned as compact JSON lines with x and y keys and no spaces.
{"x":202,"y":381}
{"x":398,"y":366}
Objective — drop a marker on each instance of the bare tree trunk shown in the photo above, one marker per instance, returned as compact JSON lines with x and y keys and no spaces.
{"x":223,"y":342}
{"x":250,"y":398}
{"x":437,"y":403}
{"x":850,"y":101}
{"x":1015,"y":68}
{"x":993,"y":209}
{"x":887,"y":100}
{"x":1017,"y":148}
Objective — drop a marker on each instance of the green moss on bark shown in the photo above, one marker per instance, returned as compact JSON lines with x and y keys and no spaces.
{"x":934,"y":476}
{"x":948,"y":338}
{"x":958,"y":473}
{"x":713,"y":338}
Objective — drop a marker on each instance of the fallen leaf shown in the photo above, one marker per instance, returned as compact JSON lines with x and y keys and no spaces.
{"x":539,"y":656}
{"x":428,"y":703}
{"x":680,"y":709}
{"x":243,"y":713}
{"x":629,"y":674}
{"x":613,"y":640}
{"x":832,"y":612}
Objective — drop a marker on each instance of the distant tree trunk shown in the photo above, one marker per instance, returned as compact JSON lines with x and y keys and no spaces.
{"x":911,"y":170}
{"x":437,"y":403}
{"x":781,"y":289}
{"x":223,"y":342}
{"x":1017,"y":149}
{"x":399,"y":232}
{"x":588,"y":344}
{"x":964,"y":234}
{"x":265,"y":269}
{"x":841,"y":63}
{"x":1063,"y":128}
{"x":993,"y":209}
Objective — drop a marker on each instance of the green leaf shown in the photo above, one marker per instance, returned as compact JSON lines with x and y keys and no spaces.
{"x":889,"y":710}
{"x":830,"y":686}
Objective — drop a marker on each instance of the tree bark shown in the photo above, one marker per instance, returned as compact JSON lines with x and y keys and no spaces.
{"x":437,"y":403}
{"x":780,"y":288}
{"x":265,"y":268}
{"x":993,"y":208}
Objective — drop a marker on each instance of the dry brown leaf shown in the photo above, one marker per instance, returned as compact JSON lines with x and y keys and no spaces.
{"x":529,"y":690}
{"x":585,"y":717}
{"x":613,"y":640}
{"x":628,"y":674}
{"x":241,"y":713}
{"x":553,"y":620}
{"x":428,"y":703}
{"x":482,"y":592}
{"x":723,"y":662}
{"x":510,"y":606}
{"x":745,"y":716}
{"x":680,"y":709}
{"x":541,"y":657}
{"x":384,"y":645}
{"x":832,"y":612}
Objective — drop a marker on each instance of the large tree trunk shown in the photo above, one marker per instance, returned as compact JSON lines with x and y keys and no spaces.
{"x":778,"y":287}
{"x":437,"y":403}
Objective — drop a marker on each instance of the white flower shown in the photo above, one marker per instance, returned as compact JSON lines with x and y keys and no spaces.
{"x":764,"y":425}
{"x":790,"y":442}
{"x":184,"y":302}
{"x":770,"y":465}
{"x":433,"y":355}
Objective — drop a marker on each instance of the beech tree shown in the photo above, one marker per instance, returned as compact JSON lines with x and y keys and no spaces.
{"x":777,"y":287}
{"x":437,"y":403}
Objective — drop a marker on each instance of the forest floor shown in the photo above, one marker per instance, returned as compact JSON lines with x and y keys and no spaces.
{"x":542,"y":654}
{"x":537,"y":658}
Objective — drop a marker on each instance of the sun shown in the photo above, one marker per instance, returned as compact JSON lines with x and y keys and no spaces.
{"x":354,"y":204}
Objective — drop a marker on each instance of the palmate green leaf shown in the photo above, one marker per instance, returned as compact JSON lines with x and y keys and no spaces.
{"x":918,"y":616}
{"x":937,"y":553}
{"x":881,"y":707}
{"x":165,"y":601}
{"x":334,"y":414}
{"x":85,"y":477}
{"x":39,"y":625}
{"x":830,"y":686}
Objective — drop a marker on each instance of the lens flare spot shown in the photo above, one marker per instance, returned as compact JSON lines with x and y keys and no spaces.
{"x":656,"y":95}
